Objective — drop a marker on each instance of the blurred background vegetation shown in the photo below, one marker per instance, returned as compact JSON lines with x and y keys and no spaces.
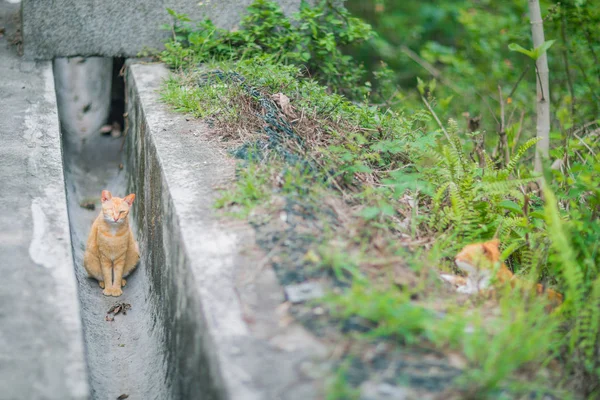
{"x":463,"y":44}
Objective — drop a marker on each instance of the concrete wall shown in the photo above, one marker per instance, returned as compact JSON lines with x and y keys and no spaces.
{"x":83,"y":89}
{"x":220,"y":305}
{"x":63,"y":28}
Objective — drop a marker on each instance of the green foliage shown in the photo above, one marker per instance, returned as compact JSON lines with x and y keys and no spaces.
{"x":466,"y":43}
{"x":312,"y":38}
{"x":391,"y":311}
{"x":469,"y":200}
{"x":534,"y":54}
{"x":339,"y":388}
{"x":249,"y":191}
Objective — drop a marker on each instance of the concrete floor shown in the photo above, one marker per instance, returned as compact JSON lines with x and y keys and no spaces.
{"x":41,"y":343}
{"x":125,"y":356}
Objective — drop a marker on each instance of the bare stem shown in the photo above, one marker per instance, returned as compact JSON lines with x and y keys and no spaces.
{"x":503,"y":137}
{"x":436,"y":118}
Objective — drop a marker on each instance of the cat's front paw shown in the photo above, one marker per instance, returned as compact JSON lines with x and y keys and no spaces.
{"x":115,"y":292}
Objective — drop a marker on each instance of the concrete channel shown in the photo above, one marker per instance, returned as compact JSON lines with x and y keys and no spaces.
{"x":123,"y":355}
{"x":187,"y":335}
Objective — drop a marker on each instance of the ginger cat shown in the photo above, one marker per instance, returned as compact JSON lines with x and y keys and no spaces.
{"x":111,"y":252}
{"x":479,"y":261}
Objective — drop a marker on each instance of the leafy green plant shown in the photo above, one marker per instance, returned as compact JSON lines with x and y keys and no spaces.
{"x":534,"y":54}
{"x":339,"y":388}
{"x":249,"y":191}
{"x":312,"y":38}
{"x":390,"y":311}
{"x":469,"y":200}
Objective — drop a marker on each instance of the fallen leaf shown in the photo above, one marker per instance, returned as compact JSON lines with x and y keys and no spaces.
{"x":109,"y":318}
{"x":87,"y":205}
{"x":119,"y":308}
{"x":284,"y":103}
{"x":123,"y":396}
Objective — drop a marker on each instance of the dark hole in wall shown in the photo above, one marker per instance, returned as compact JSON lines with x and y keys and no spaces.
{"x":117,"y":95}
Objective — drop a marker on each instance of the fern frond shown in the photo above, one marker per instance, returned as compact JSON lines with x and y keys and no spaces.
{"x":585,"y":334}
{"x":571,"y":272}
{"x":516,"y":157}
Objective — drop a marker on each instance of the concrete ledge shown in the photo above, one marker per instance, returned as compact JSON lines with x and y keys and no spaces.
{"x":64,"y":28}
{"x":226,"y":336}
{"x":41,"y":340}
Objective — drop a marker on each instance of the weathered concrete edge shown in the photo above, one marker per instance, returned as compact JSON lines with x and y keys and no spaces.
{"x":188,"y":237}
{"x":51,"y":244}
{"x":206,"y":257}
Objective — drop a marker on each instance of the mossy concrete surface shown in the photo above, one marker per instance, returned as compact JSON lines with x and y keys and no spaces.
{"x":41,"y":340}
{"x":228,"y":334}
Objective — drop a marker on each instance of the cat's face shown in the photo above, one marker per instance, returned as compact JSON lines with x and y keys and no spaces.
{"x":115,"y":209}
{"x":478,"y":256}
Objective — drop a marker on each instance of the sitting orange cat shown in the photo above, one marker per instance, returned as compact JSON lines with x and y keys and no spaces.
{"x":111,"y":246}
{"x":479,"y":261}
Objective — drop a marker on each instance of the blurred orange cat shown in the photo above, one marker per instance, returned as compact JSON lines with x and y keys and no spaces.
{"x":111,"y":252}
{"x":478,"y":261}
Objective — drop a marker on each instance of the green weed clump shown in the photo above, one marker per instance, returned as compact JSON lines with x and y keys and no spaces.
{"x":407,"y":188}
{"x":313,"y":38}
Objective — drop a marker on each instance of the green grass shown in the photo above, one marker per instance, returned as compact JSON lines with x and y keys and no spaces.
{"x":249,"y":190}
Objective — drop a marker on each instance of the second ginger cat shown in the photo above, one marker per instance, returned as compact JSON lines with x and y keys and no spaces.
{"x":111,"y":252}
{"x":477,"y":260}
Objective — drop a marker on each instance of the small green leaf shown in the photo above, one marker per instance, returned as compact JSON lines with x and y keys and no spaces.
{"x":537,"y":214}
{"x":420,"y":85}
{"x":432,"y":85}
{"x":388,"y":209}
{"x":511,"y":206}
{"x":516,"y":47}
{"x":543,"y":48}
{"x":369,"y":213}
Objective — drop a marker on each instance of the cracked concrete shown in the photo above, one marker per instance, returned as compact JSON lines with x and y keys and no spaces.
{"x":41,"y":343}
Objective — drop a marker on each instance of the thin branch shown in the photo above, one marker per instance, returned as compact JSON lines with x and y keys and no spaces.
{"x":519,"y":80}
{"x":518,"y":135}
{"x":566,"y":62}
{"x":503,"y":137}
{"x":585,"y":144}
{"x":537,"y":73}
{"x":489,"y":108}
{"x":436,"y":118}
{"x":430,"y":68}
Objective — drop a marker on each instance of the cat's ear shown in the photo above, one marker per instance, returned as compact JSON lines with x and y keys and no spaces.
{"x":489,"y":247}
{"x":129,"y":199}
{"x":106,"y":196}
